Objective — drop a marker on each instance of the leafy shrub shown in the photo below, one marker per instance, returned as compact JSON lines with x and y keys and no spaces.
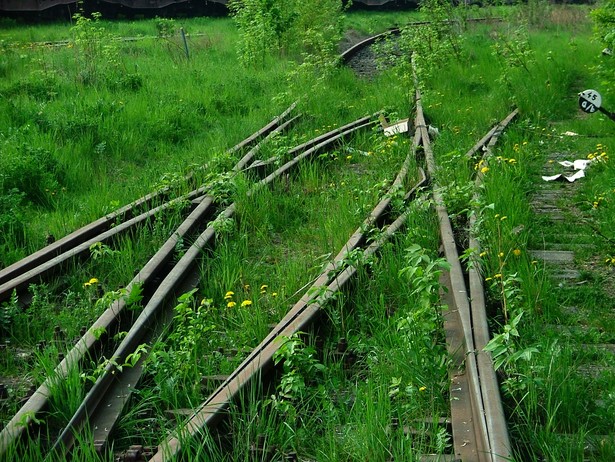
{"x":268,"y":26}
{"x":604,"y":20}
{"x":97,"y":55}
{"x":165,"y":27}
{"x":28,"y":172}
{"x":37,"y":86}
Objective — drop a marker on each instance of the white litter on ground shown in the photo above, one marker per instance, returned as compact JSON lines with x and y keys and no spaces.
{"x":579,"y":164}
{"x":396,"y":128}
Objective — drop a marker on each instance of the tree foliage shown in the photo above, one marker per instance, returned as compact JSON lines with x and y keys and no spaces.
{"x":604,"y":26}
{"x":292,"y":26}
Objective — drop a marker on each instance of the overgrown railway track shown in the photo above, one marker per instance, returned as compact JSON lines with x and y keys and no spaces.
{"x":476,"y":419}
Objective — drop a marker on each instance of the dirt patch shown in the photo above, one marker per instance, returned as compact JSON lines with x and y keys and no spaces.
{"x":351,"y":38}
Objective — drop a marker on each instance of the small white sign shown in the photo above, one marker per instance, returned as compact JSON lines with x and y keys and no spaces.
{"x":590,"y":101}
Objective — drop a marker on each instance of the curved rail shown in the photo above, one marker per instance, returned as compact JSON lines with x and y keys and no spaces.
{"x":351,"y":52}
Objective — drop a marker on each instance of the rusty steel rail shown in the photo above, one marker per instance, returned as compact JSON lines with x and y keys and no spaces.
{"x":352,"y":51}
{"x":486,"y":438}
{"x":332,"y":279}
{"x":37,"y":273}
{"x":89,"y":232}
{"x":113,"y":376}
{"x":466,"y":449}
{"x":499,"y":440}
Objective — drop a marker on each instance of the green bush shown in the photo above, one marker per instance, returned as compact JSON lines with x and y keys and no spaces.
{"x":604,"y":29}
{"x":28,"y":173}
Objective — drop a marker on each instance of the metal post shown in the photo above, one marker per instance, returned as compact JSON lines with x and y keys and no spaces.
{"x":610,"y":115}
{"x":181,"y":29}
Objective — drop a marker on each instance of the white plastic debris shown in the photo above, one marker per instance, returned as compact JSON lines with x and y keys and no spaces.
{"x":570,"y":179}
{"x":396,"y":128}
{"x":579,"y":164}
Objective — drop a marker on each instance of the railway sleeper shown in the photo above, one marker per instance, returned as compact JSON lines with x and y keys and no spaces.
{"x":135,"y":453}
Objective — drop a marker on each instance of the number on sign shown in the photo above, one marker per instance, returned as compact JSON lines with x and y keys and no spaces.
{"x":590,"y":101}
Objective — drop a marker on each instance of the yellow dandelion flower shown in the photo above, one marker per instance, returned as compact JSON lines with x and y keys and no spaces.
{"x":516,"y":252}
{"x":497,"y":276}
{"x":512,"y":161}
{"x":246,"y":303}
{"x":488,"y":279}
{"x":534,"y":262}
{"x":231,"y":304}
{"x":274,"y":294}
{"x":482,"y":254}
{"x":503,"y":218}
{"x":423,"y":388}
{"x":229,"y":295}
{"x":93,"y":281}
{"x":501,"y":254}
{"x":86,"y":284}
{"x":484,"y":169}
{"x":497,"y":215}
{"x":246,"y":287}
{"x":348,"y":157}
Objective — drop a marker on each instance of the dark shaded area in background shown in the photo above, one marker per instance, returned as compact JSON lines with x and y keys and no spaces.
{"x":47,"y":10}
